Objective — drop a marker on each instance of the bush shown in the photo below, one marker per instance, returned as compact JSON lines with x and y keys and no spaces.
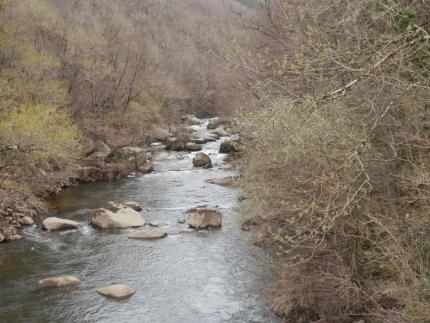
{"x":337,"y":158}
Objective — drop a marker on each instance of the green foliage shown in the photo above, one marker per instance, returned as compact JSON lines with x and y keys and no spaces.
{"x":402,"y":18}
{"x":41,"y":133}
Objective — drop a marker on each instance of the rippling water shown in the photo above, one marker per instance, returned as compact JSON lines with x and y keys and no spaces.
{"x":205,"y":276}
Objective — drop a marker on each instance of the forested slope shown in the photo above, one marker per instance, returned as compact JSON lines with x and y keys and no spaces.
{"x":77,"y":76}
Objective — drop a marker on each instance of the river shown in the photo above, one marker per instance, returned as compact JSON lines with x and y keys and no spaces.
{"x":205,"y":276}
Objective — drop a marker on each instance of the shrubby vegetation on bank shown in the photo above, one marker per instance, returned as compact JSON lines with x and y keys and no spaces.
{"x":337,"y":157}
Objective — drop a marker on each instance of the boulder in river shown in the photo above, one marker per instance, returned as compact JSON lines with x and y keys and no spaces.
{"x":54,"y":223}
{"x":146,"y":167}
{"x":221,"y":132}
{"x":118,"y":291}
{"x":121,"y":219}
{"x":225,"y":181}
{"x":217,"y":121}
{"x":148,"y":235}
{"x":204,"y":218}
{"x":61,"y":281}
{"x":202,"y":160}
{"x":229,"y":146}
{"x":191,"y":120}
{"x":191,"y":146}
{"x":26,"y":220}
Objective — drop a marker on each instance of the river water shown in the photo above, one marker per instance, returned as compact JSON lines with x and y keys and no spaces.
{"x":204,"y":276}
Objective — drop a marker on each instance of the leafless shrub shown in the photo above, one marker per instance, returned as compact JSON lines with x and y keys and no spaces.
{"x":339,"y":160}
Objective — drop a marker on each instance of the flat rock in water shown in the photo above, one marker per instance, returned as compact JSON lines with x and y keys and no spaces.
{"x":54,"y":223}
{"x":226,"y":181}
{"x":204,"y":218}
{"x":121,"y":219}
{"x":148,"y":235}
{"x":61,"y":281}
{"x":119,"y":291}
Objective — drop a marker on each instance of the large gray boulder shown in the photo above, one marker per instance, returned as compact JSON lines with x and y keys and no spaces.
{"x":60,"y":281}
{"x":121,"y":219}
{"x":202,"y":160}
{"x":204,"y":218}
{"x":53,"y":223}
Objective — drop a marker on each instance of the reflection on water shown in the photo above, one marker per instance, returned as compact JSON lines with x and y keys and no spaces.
{"x":207,"y":276}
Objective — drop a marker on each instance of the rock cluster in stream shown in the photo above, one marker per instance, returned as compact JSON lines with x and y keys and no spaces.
{"x":14,"y":216}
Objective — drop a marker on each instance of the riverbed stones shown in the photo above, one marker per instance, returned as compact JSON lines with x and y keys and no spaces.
{"x":113,"y":206}
{"x":116,"y":206}
{"x":191,"y":120}
{"x":191,"y":146}
{"x":54,"y":223}
{"x":60,"y":281}
{"x":229,"y":146}
{"x":135,"y":206}
{"x":1,"y":237}
{"x":127,"y":153}
{"x":118,"y":291}
{"x":225,"y":181}
{"x":146,"y":167}
{"x":168,"y":156}
{"x":220,"y":131}
{"x":121,"y":219}
{"x":204,"y":218}
{"x":26,"y":220}
{"x":202,"y":160}
{"x":217,"y":121}
{"x":148,"y":235}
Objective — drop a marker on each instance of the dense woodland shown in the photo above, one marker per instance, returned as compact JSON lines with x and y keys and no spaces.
{"x":331,"y":100}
